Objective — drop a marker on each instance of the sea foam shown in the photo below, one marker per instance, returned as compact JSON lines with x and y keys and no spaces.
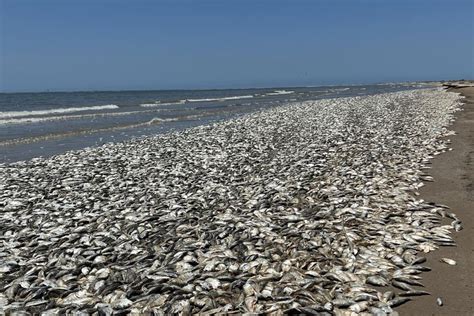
{"x":12,"y":114}
{"x":280,"y":92}
{"x":158,"y":103}
{"x":221,"y":99}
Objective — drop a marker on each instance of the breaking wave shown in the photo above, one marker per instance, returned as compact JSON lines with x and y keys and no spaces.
{"x":158,"y":103}
{"x":221,"y":99}
{"x":12,"y":114}
{"x":280,"y":92}
{"x":23,"y":120}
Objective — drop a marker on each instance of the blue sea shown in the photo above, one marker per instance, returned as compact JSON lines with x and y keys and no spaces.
{"x":49,"y":123}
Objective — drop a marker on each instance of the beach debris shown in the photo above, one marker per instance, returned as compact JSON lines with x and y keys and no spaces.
{"x":302,"y":208}
{"x":439,"y":301}
{"x":451,"y":262}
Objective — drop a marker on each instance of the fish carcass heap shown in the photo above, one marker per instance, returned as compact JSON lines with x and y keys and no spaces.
{"x":307,"y":207}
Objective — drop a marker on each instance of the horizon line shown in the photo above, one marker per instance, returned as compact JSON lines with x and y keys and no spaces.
{"x":212,"y":89}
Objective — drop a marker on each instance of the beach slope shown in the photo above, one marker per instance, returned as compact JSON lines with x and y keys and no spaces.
{"x":453,"y":173}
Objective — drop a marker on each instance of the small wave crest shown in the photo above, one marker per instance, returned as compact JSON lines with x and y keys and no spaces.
{"x":13,"y":114}
{"x":339,"y":89}
{"x":23,"y":120}
{"x":280,"y":92}
{"x":159,"y":120}
{"x":238,"y":97}
{"x":159,"y":103}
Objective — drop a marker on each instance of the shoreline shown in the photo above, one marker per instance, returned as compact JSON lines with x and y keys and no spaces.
{"x":60,"y":128}
{"x":453,"y":173}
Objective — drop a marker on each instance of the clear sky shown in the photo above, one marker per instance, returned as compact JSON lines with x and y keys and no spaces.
{"x":139,"y":44}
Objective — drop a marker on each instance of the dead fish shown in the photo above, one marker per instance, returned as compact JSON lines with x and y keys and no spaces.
{"x":287,"y":209}
{"x":387,"y":296}
{"x":457,"y":225}
{"x":377,"y":281}
{"x":408,"y":281}
{"x":402,"y":285}
{"x":398,"y":301}
{"x":359,"y":307}
{"x":342,"y":303}
{"x":36,"y":303}
{"x":451,"y":262}
{"x":414,"y":293}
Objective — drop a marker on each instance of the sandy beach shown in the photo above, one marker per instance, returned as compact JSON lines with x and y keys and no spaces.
{"x":453,"y":185}
{"x":237,"y":158}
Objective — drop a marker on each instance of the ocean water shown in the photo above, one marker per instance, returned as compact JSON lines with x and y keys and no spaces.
{"x":46,"y":124}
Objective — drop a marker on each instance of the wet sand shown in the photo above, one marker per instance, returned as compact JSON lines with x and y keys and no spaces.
{"x":453,"y":173}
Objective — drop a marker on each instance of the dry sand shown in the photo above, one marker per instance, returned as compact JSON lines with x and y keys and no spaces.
{"x":453,"y":186}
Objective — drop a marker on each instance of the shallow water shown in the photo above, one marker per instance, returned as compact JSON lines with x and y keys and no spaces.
{"x":45,"y":124}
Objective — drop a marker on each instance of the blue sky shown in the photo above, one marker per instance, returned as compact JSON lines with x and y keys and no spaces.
{"x":106,"y":44}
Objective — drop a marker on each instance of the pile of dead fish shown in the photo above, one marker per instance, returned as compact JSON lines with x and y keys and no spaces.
{"x":305,"y":208}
